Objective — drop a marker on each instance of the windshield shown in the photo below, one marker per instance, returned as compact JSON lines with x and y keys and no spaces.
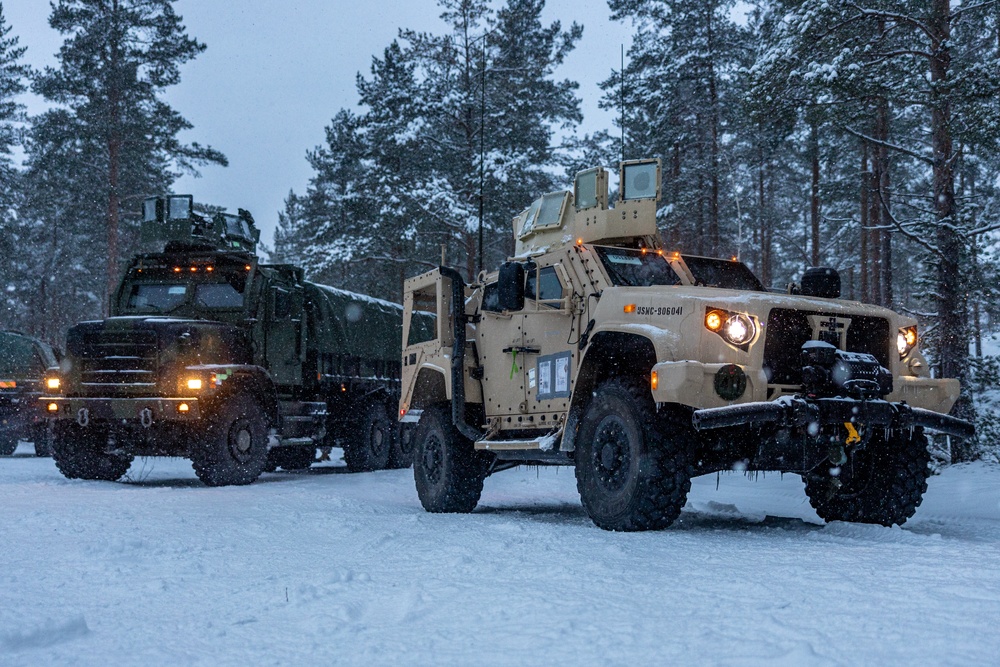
{"x":18,"y":358}
{"x":635,"y":268}
{"x":158,"y":298}
{"x":162,"y":298}
{"x":709,"y":272}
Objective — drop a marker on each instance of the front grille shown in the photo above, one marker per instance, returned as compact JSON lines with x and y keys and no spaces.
{"x":120,"y":363}
{"x":788,"y":329}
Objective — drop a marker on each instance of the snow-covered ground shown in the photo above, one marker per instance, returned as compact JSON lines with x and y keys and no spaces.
{"x":330,"y":568}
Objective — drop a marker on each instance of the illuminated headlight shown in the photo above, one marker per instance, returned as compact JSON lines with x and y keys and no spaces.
{"x":739,"y":330}
{"x":906,"y":340}
{"x":195,"y":384}
{"x":53,"y":383}
{"x":734,"y":328}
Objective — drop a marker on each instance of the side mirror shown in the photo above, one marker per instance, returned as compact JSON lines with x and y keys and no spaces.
{"x":821,"y":281}
{"x":510,"y":286}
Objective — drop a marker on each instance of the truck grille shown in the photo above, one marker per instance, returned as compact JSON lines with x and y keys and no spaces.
{"x":122,"y":363}
{"x":788,"y":329}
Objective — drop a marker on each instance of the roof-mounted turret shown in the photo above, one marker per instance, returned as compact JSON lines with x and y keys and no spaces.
{"x":171,"y":221}
{"x":584,"y":215}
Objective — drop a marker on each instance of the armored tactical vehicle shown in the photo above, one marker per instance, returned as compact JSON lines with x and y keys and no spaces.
{"x":238,"y":365}
{"x":596,"y":347}
{"x":23,"y":363}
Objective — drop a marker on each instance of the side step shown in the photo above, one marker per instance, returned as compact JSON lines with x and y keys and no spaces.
{"x":545,"y":443}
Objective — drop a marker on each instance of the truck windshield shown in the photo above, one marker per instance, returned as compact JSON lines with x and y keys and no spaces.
{"x":18,"y":358}
{"x":164,"y":298}
{"x":710,"y":272}
{"x":635,"y":268}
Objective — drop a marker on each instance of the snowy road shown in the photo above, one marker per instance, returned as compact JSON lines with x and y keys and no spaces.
{"x":327,"y":568}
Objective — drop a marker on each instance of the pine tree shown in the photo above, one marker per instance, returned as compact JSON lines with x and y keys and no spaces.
{"x":118,"y":58}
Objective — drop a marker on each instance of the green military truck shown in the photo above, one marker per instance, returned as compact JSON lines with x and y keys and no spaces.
{"x":23,"y":363}
{"x":595,"y":346}
{"x":237,"y":365}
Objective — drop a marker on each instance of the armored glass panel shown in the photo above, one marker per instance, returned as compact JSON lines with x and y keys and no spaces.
{"x":548,"y":285}
{"x":529,"y":219}
{"x":149,"y":207}
{"x":586,"y":190}
{"x":17,"y":357}
{"x":491,"y":298}
{"x":550,"y":211}
{"x":179,"y":208}
{"x":218,"y":295}
{"x":636,"y":268}
{"x":721,"y":273}
{"x":157,"y":297}
{"x":640,"y":181}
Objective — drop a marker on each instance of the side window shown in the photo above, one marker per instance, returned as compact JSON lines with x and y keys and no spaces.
{"x":282,"y":304}
{"x":491,"y":298}
{"x":549,"y":287}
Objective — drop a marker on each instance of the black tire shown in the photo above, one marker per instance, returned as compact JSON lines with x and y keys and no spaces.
{"x":883,"y":483}
{"x":448,"y":471}
{"x":233,"y":450}
{"x":633,"y":467}
{"x":290,"y":458}
{"x":401,"y":454}
{"x":41,"y":437}
{"x":371,"y":439}
{"x":82,"y":453}
{"x":8,"y":444}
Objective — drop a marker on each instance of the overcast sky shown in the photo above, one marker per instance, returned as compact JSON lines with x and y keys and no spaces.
{"x":276,"y":71}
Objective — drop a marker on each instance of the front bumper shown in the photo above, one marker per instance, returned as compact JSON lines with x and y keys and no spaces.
{"x":803,"y":413}
{"x":145,"y":411}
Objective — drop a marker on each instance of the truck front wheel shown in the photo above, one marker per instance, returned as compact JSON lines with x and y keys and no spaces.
{"x":632,"y":465}
{"x":82,"y":453}
{"x":371,"y":439}
{"x":883,"y":483}
{"x":448,"y":471}
{"x":233,"y":450}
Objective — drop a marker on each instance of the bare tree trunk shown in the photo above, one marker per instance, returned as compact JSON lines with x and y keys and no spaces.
{"x":714,"y":239}
{"x":814,"y":199}
{"x":884,"y":205}
{"x":865,"y":259}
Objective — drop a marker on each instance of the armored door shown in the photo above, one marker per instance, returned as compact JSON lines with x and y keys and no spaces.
{"x":548,"y":328}
{"x":284,"y":334}
{"x":500,"y":348}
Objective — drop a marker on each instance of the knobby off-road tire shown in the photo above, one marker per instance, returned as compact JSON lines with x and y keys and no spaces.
{"x":371,"y":439}
{"x":401,"y":454}
{"x":41,"y":435}
{"x":233,"y":449}
{"x":883,"y":483}
{"x":82,"y":453}
{"x":448,"y":471}
{"x":633,"y":467}
{"x":290,"y":458}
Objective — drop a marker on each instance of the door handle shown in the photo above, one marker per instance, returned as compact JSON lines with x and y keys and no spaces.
{"x":522,"y":350}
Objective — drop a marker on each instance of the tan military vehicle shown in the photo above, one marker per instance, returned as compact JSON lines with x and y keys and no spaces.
{"x":596,"y":347}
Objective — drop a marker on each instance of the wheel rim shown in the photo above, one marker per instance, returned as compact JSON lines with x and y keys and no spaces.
{"x":612,"y":454}
{"x":241,"y":442}
{"x":433,"y":456}
{"x":376,"y":440}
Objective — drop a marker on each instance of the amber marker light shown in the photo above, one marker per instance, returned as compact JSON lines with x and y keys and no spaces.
{"x":247,"y":267}
{"x":713,"y":320}
{"x":194,"y":384}
{"x":177,"y":269}
{"x":194,"y":269}
{"x":579,"y":241}
{"x":210,"y":268}
{"x":53,"y":407}
{"x":654,"y":380}
{"x":8,"y":384}
{"x":53,"y":383}
{"x":629,"y":308}
{"x":183,"y":407}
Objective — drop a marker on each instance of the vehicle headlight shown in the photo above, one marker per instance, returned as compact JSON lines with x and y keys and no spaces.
{"x":734,"y":328}
{"x":195,"y":384}
{"x":53,"y":383}
{"x":906,"y":340}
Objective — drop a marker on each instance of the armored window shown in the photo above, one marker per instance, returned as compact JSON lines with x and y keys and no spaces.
{"x":218,"y":295}
{"x":157,"y":297}
{"x":710,"y":272}
{"x":546,"y":288}
{"x":282,"y":304}
{"x":635,"y":268}
{"x":491,"y":298}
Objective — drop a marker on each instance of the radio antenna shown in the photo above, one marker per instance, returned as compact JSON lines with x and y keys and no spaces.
{"x":623,"y":101}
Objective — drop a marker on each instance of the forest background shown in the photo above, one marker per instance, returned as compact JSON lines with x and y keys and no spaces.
{"x":855,"y":134}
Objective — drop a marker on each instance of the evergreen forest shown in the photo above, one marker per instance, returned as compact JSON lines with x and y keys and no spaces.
{"x":857,"y":134}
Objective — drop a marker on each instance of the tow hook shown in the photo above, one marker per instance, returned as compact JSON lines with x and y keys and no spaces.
{"x":146,"y":417}
{"x":83,"y":416}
